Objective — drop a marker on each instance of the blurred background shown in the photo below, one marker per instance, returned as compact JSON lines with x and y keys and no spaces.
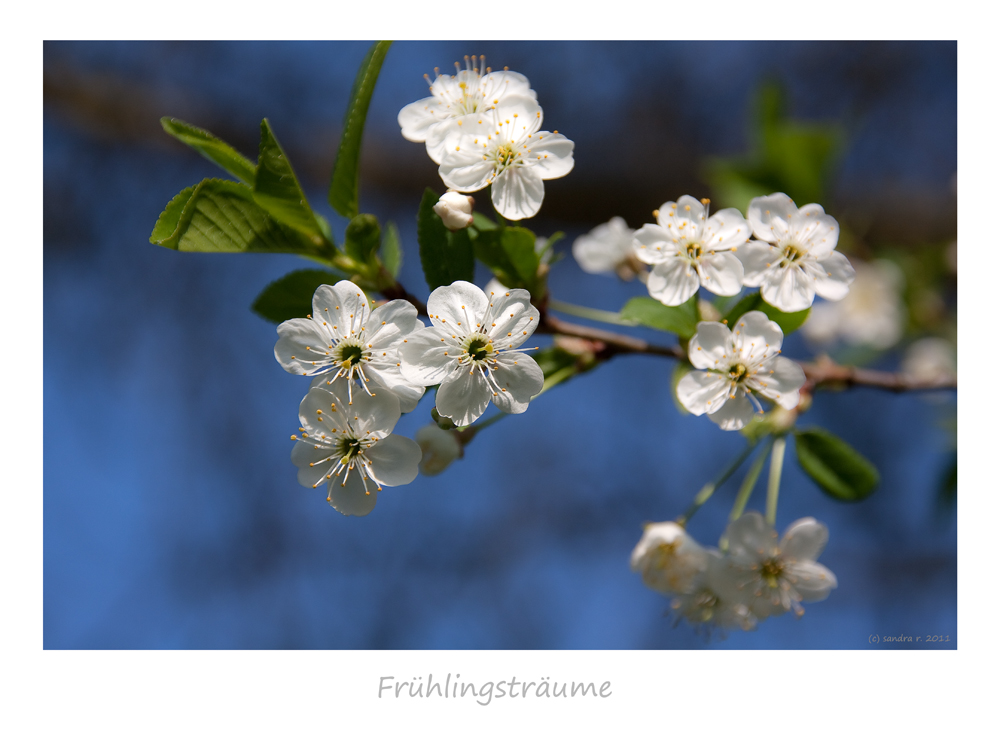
{"x":172,"y":514}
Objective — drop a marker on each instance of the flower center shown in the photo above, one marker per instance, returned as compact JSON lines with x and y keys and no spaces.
{"x":770,"y":571}
{"x":348,"y":448}
{"x":506,"y":155}
{"x":348,"y":353}
{"x":694,"y":251}
{"x":479,"y":348}
{"x":793,"y":254}
{"x":737,"y":372}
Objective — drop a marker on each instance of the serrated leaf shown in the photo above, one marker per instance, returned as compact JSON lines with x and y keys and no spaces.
{"x":682,"y":319}
{"x":220,"y":216}
{"x":510,"y":254}
{"x":519,"y":245}
{"x":211,"y":148}
{"x":445,"y":256}
{"x":277,"y":190}
{"x":392,"y":250}
{"x":788,"y":322}
{"x":291,"y":296}
{"x":483,"y":223}
{"x":835,"y":466}
{"x":344,"y":181}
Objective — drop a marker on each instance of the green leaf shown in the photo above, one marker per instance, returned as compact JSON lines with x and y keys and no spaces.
{"x":551,"y":359}
{"x":291,"y":296}
{"x":838,"y":469}
{"x":682,"y":319}
{"x":392,"y":250}
{"x":344,"y":181}
{"x":482,"y":223}
{"x":446,"y":256}
{"x":277,"y":190}
{"x":788,"y":322}
{"x":519,"y":245}
{"x":362,"y":237}
{"x":221,"y":216}
{"x":211,"y":148}
{"x":510,"y":254}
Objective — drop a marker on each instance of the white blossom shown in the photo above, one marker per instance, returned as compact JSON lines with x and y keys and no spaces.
{"x":793,"y":259}
{"x":737,"y":364}
{"x":439,"y":448}
{"x":455,"y":97}
{"x":930,"y":359}
{"x":471,"y":351}
{"x":344,"y":341}
{"x":686,"y":248}
{"x":349,"y":447}
{"x":872,"y":313}
{"x":774,"y":577}
{"x":669,"y":559}
{"x":714,"y":600}
{"x":455,"y":210}
{"x":505,"y":148}
{"x":606,"y":249}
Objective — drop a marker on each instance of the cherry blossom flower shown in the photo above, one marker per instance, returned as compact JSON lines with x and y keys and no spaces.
{"x":344,"y":339}
{"x":608,"y":249}
{"x":439,"y":448}
{"x":455,"y":97}
{"x":775,"y":577}
{"x":471,"y":351}
{"x":349,"y":447}
{"x":455,"y":210}
{"x":668,"y":558}
{"x":793,"y":258}
{"x":686,"y":248}
{"x":930,"y":359}
{"x":713,"y":601}
{"x":504,"y":148}
{"x":737,"y":364}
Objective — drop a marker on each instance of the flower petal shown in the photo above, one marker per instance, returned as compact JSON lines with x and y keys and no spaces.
{"x":390,"y":323}
{"x":839,"y":274}
{"x":726,"y":230}
{"x":522,"y":379}
{"x":750,"y":535}
{"x":711,"y":344}
{"x":416,"y":118}
{"x":464,"y":166}
{"x":324,"y":411}
{"x":788,"y":289}
{"x":458,"y":305}
{"x":683,"y":219}
{"x":377,"y":413}
{"x":350,"y":499}
{"x":700,"y":392}
{"x":518,"y":192}
{"x":722,"y":273}
{"x":673,"y":281}
{"x":305,"y":453}
{"x":735,"y":413}
{"x":427,"y":357}
{"x":605,"y":247}
{"x":804,"y":540}
{"x":654,"y":244}
{"x":463,"y":396}
{"x":512,"y":318}
{"x":395,"y":460}
{"x":780,"y":379}
{"x":343,"y":306}
{"x":551,"y":154}
{"x":769,"y":216}
{"x":302,"y":347}
{"x":757,"y":257}
{"x":389,"y":377}
{"x":812,"y":581}
{"x":814,"y":231}
{"x":754,"y":332}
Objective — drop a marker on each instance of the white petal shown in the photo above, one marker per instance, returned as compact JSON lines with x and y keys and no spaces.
{"x":837,"y":279}
{"x":426,"y":359}
{"x":324,"y":410}
{"x":394,"y":460}
{"x":551,"y":154}
{"x":605,"y":247}
{"x":751,"y":536}
{"x":789,"y":289}
{"x":438,"y":447}
{"x":458,"y":305}
{"x":711,"y":343}
{"x":351,"y":499}
{"x":780,"y":379}
{"x":754,"y":332}
{"x":440,"y":138}
{"x":376,"y":413}
{"x":512,"y":318}
{"x":722,"y":273}
{"x":498,"y":85}
{"x":417,"y":117}
{"x":305,"y":453}
{"x":390,"y":323}
{"x":521,"y":376}
{"x":769,"y":216}
{"x":463,"y":167}
{"x":725,"y":230}
{"x":654,"y":244}
{"x":812,"y":581}
{"x":463,"y":396}
{"x":804,"y":540}
{"x":390,"y":378}
{"x":683,"y":219}
{"x":735,"y":413}
{"x":343,"y":306}
{"x":518,"y":192}
{"x":302,"y":346}
{"x":673,"y":281}
{"x":815,"y":232}
{"x":700,"y":392}
{"x":757,"y":258}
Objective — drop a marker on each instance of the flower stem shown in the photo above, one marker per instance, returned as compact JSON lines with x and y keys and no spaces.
{"x":774,"y":479}
{"x":603,"y":316}
{"x":748,"y":484}
{"x":702,"y":497}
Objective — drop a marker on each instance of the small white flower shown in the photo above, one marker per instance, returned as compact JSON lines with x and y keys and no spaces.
{"x":350,"y":449}
{"x":738,"y":363}
{"x":794,"y":259}
{"x":775,"y":577}
{"x":439,"y":447}
{"x":453,"y":98}
{"x":872,"y":313}
{"x":504,"y":147}
{"x":471,"y":351}
{"x":686,"y":249}
{"x":669,"y":559}
{"x":930,"y":359}
{"x":345,"y":339}
{"x":455,"y":209}
{"x":606,"y":249}
{"x":714,"y":599}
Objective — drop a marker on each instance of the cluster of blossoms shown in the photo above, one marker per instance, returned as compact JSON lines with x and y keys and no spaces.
{"x":484,"y":128}
{"x":786,"y":251}
{"x":757,"y":575}
{"x":371,"y":365}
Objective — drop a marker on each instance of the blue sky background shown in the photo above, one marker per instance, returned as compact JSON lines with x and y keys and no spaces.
{"x":172,"y":515}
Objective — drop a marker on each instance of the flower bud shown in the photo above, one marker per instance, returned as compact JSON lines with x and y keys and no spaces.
{"x":455,"y":209}
{"x":669,"y":560}
{"x":439,"y":447}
